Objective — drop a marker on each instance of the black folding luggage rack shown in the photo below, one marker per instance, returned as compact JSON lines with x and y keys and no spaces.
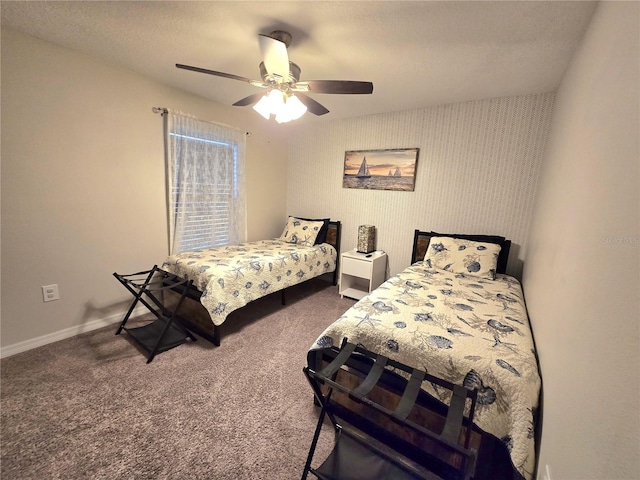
{"x":382,"y":428}
{"x":166,"y":331}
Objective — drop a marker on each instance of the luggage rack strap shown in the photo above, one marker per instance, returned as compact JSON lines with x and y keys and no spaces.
{"x":372,"y":378}
{"x":341,"y":358}
{"x":410,"y":394}
{"x":138,"y":282}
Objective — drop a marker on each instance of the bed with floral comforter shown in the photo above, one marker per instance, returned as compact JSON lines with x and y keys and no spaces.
{"x":231,"y":277}
{"x":466,"y":329}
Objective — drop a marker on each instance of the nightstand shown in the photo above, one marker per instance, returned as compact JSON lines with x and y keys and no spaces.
{"x":360,"y":273}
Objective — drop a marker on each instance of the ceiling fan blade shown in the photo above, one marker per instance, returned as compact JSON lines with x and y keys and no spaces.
{"x":337,"y":86}
{"x":275,"y":57}
{"x":312,"y":106}
{"x":213,"y":72}
{"x":249,"y":100}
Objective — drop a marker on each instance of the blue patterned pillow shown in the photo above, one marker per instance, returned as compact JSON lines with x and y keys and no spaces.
{"x":456,"y":255}
{"x":322,"y":235}
{"x":301,"y":232}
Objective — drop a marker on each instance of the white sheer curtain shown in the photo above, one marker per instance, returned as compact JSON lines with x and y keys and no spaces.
{"x":205,"y":165}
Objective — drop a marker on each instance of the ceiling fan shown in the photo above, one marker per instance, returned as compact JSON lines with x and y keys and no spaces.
{"x":286,"y":97}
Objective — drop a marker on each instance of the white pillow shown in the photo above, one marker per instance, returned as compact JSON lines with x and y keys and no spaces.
{"x":301,"y":232}
{"x":478,"y":259}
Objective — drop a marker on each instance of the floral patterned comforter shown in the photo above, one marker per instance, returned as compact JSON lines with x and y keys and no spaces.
{"x":465,"y":329}
{"x":232,"y":276}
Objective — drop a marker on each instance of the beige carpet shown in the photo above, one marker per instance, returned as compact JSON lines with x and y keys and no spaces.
{"x":90,"y":407}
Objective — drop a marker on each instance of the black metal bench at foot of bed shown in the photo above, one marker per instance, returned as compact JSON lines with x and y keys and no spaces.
{"x":166,"y":331}
{"x":381,"y":428}
{"x":492,"y":462}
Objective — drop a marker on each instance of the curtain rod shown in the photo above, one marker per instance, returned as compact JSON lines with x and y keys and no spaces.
{"x":164,"y":110}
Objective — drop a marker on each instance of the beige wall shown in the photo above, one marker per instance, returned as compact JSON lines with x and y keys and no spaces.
{"x":581,"y":275}
{"x":477,"y":172}
{"x":83,"y":186}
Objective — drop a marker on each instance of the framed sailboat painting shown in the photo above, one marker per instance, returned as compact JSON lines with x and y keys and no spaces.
{"x":381,"y":169}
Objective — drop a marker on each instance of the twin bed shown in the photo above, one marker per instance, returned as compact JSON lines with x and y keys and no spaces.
{"x":455,"y":314}
{"x":225,"y":279}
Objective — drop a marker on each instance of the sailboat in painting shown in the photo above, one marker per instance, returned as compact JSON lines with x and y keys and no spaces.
{"x":363,"y":172}
{"x":380,"y":169}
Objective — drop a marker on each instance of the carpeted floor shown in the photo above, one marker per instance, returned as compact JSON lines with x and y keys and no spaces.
{"x":90,"y":406}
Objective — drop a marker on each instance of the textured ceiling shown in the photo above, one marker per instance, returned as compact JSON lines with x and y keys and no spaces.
{"x":417,"y":54}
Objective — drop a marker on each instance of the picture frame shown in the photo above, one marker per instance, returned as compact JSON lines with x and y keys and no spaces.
{"x":389,"y":169}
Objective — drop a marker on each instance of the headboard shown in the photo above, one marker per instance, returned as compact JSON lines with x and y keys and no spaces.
{"x":333,"y":235}
{"x":421,"y":243}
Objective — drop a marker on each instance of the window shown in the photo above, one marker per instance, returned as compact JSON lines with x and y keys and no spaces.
{"x":205,"y":184}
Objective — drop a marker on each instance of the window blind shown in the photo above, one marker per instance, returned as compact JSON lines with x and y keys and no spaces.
{"x":205,"y":185}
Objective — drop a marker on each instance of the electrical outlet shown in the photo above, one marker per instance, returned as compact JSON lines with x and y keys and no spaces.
{"x":50,"y":293}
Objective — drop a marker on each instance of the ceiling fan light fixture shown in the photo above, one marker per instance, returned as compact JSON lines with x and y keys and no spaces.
{"x":276,"y":100}
{"x":282,"y":117}
{"x":296,"y":107}
{"x":263,"y":107}
{"x":284,"y":107}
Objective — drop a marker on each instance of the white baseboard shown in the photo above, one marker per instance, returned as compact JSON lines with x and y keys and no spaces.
{"x":66,"y":333}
